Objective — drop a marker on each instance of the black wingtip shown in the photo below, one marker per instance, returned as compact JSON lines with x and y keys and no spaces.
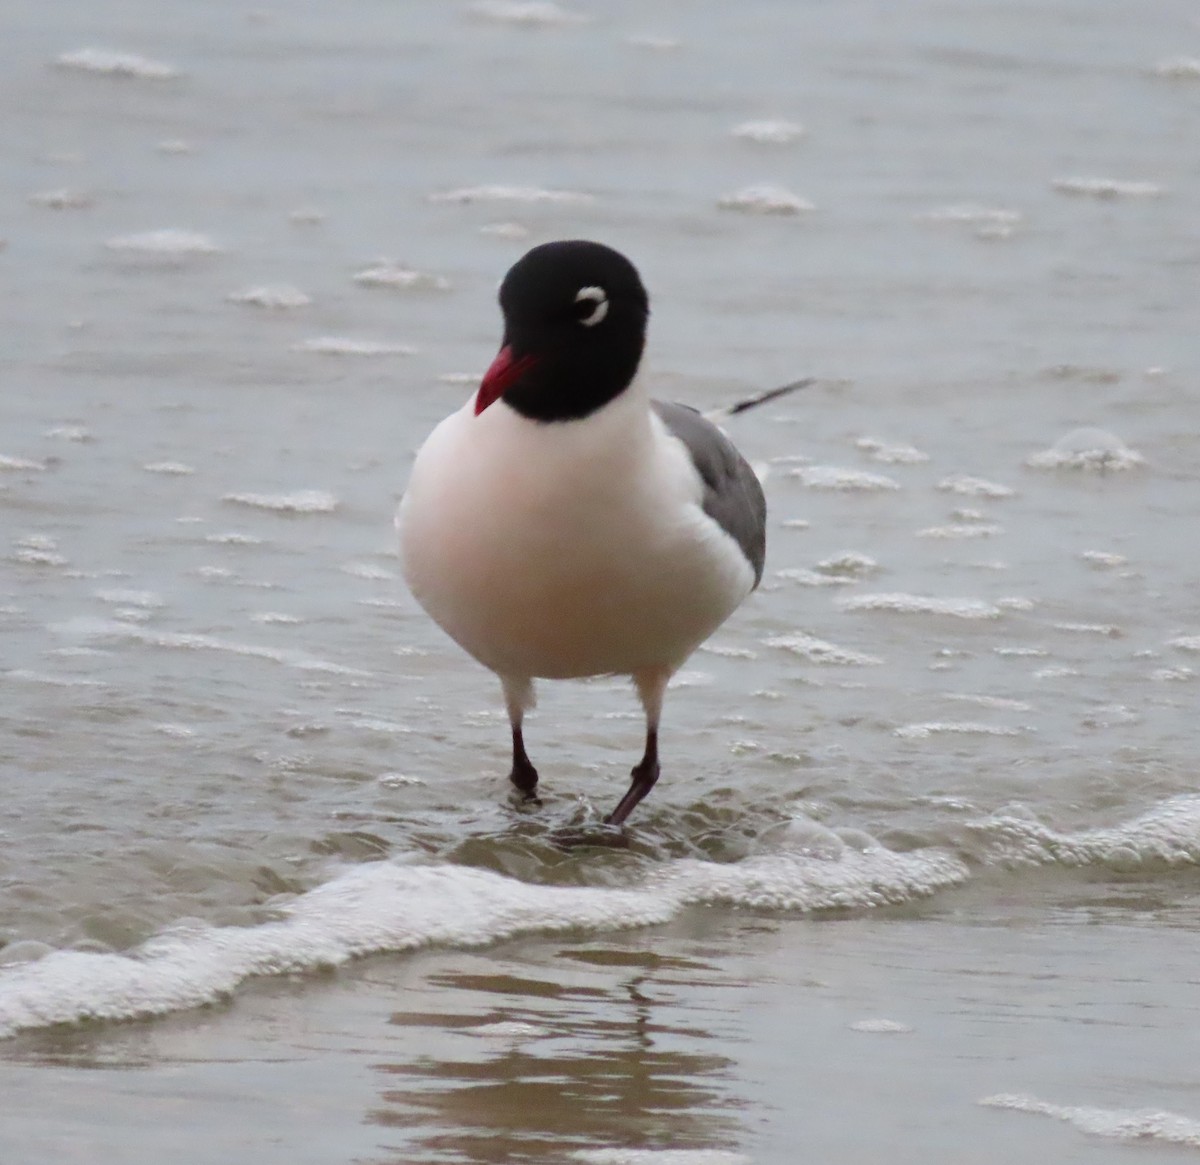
{"x":762,"y":398}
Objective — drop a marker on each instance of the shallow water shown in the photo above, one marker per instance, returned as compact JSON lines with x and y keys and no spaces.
{"x":939,"y":771}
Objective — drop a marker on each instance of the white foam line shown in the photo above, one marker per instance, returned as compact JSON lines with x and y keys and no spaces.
{"x":112,"y":629}
{"x":1117,"y":1124}
{"x":386,"y":907}
{"x":1168,"y":833}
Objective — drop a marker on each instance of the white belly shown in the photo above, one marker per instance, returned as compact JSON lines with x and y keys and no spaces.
{"x":569,"y":549}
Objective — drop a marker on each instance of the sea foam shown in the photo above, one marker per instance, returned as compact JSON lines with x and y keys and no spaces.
{"x":390,"y":907}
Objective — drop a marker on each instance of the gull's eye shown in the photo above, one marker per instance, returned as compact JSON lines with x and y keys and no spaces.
{"x":592,"y":305}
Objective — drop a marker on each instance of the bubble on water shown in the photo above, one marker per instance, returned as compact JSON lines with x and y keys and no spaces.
{"x":1107,"y":630}
{"x":957,"y":532}
{"x":1087,"y":449}
{"x":505,"y":230}
{"x":1172,"y":675}
{"x":796,"y":524}
{"x":1106,"y":188}
{"x":170,"y":468}
{"x":526,"y":13}
{"x":349,"y":346}
{"x":464,"y":195}
{"x":975,"y":487}
{"x":1185,"y":642}
{"x":901,"y":603}
{"x":469,"y":379}
{"x":728,"y":652}
{"x":76,"y":433}
{"x":304,"y":501}
{"x":849,"y":564}
{"x":984,"y":701}
{"x":832,"y":477}
{"x":275,"y":296}
{"x":972,"y":214}
{"x":368,"y":570}
{"x":892,"y":453}
{"x":1179,"y":68}
{"x":1102,"y":558}
{"x":279,"y":617}
{"x":175,"y":146}
{"x":816,"y":650}
{"x":1055,"y":673}
{"x":399,"y":277}
{"x":168,"y":243}
{"x":1141,"y":1125}
{"x":233,"y":538}
{"x":116,"y":64}
{"x":881,"y":1026}
{"x":765,"y":199}
{"x":770,"y":131}
{"x":126,"y":597}
{"x":955,"y":728}
{"x":508,"y":1029}
{"x":1022,"y":652}
{"x":17,"y":464}
{"x":811,"y":578}
{"x":399,"y":781}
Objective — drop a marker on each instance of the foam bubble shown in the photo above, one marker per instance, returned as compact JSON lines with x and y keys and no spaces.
{"x":347,"y":346}
{"x":905,"y":604}
{"x":773,"y":131}
{"x":76,"y":433}
{"x":1169,"y":833}
{"x":114,"y":629}
{"x":1107,"y":188}
{"x":1185,"y":642}
{"x":508,"y":1029}
{"x":988,"y":701}
{"x":276,"y":296}
{"x":397,"y":277}
{"x":124,"y":597}
{"x":848,"y":564}
{"x":171,"y":468}
{"x":168,"y":243}
{"x":881,"y":1026}
{"x":1108,"y":630}
{"x":811,"y":578}
{"x":1102,"y":558}
{"x":1179,"y":68}
{"x":892,"y":453}
{"x":1087,"y":449}
{"x":526,"y":13}
{"x":1116,"y":1124}
{"x":20,"y":463}
{"x":383,"y":906}
{"x":957,"y":532}
{"x":816,"y":650}
{"x":972,"y":214}
{"x":177,"y":146}
{"x":955,"y":728}
{"x":369,"y":570}
{"x":505,"y":230}
{"x":974,"y":487}
{"x":832,"y":477}
{"x":765,"y":199}
{"x":116,"y":64}
{"x":304,"y":501}
{"x":501,"y":193}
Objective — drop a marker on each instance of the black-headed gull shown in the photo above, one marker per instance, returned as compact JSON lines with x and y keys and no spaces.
{"x":561,"y":523}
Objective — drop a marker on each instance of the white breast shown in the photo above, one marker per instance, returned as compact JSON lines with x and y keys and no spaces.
{"x":566,"y":549}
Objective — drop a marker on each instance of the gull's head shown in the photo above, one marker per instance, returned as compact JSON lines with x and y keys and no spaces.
{"x":574,"y":327}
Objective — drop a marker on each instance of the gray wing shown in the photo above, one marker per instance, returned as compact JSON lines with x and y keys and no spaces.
{"x":733,"y":497}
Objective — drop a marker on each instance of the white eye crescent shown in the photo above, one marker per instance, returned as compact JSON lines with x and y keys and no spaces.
{"x":597,"y":296}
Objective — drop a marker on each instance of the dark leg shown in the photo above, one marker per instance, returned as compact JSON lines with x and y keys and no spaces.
{"x":645,"y":773}
{"x":518,"y":698}
{"x":523,"y":774}
{"x":650,"y":685}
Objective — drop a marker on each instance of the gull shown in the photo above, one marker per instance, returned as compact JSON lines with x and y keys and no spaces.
{"x":563,"y":524}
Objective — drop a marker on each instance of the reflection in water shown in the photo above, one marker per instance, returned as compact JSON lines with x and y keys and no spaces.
{"x":608,"y":1053}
